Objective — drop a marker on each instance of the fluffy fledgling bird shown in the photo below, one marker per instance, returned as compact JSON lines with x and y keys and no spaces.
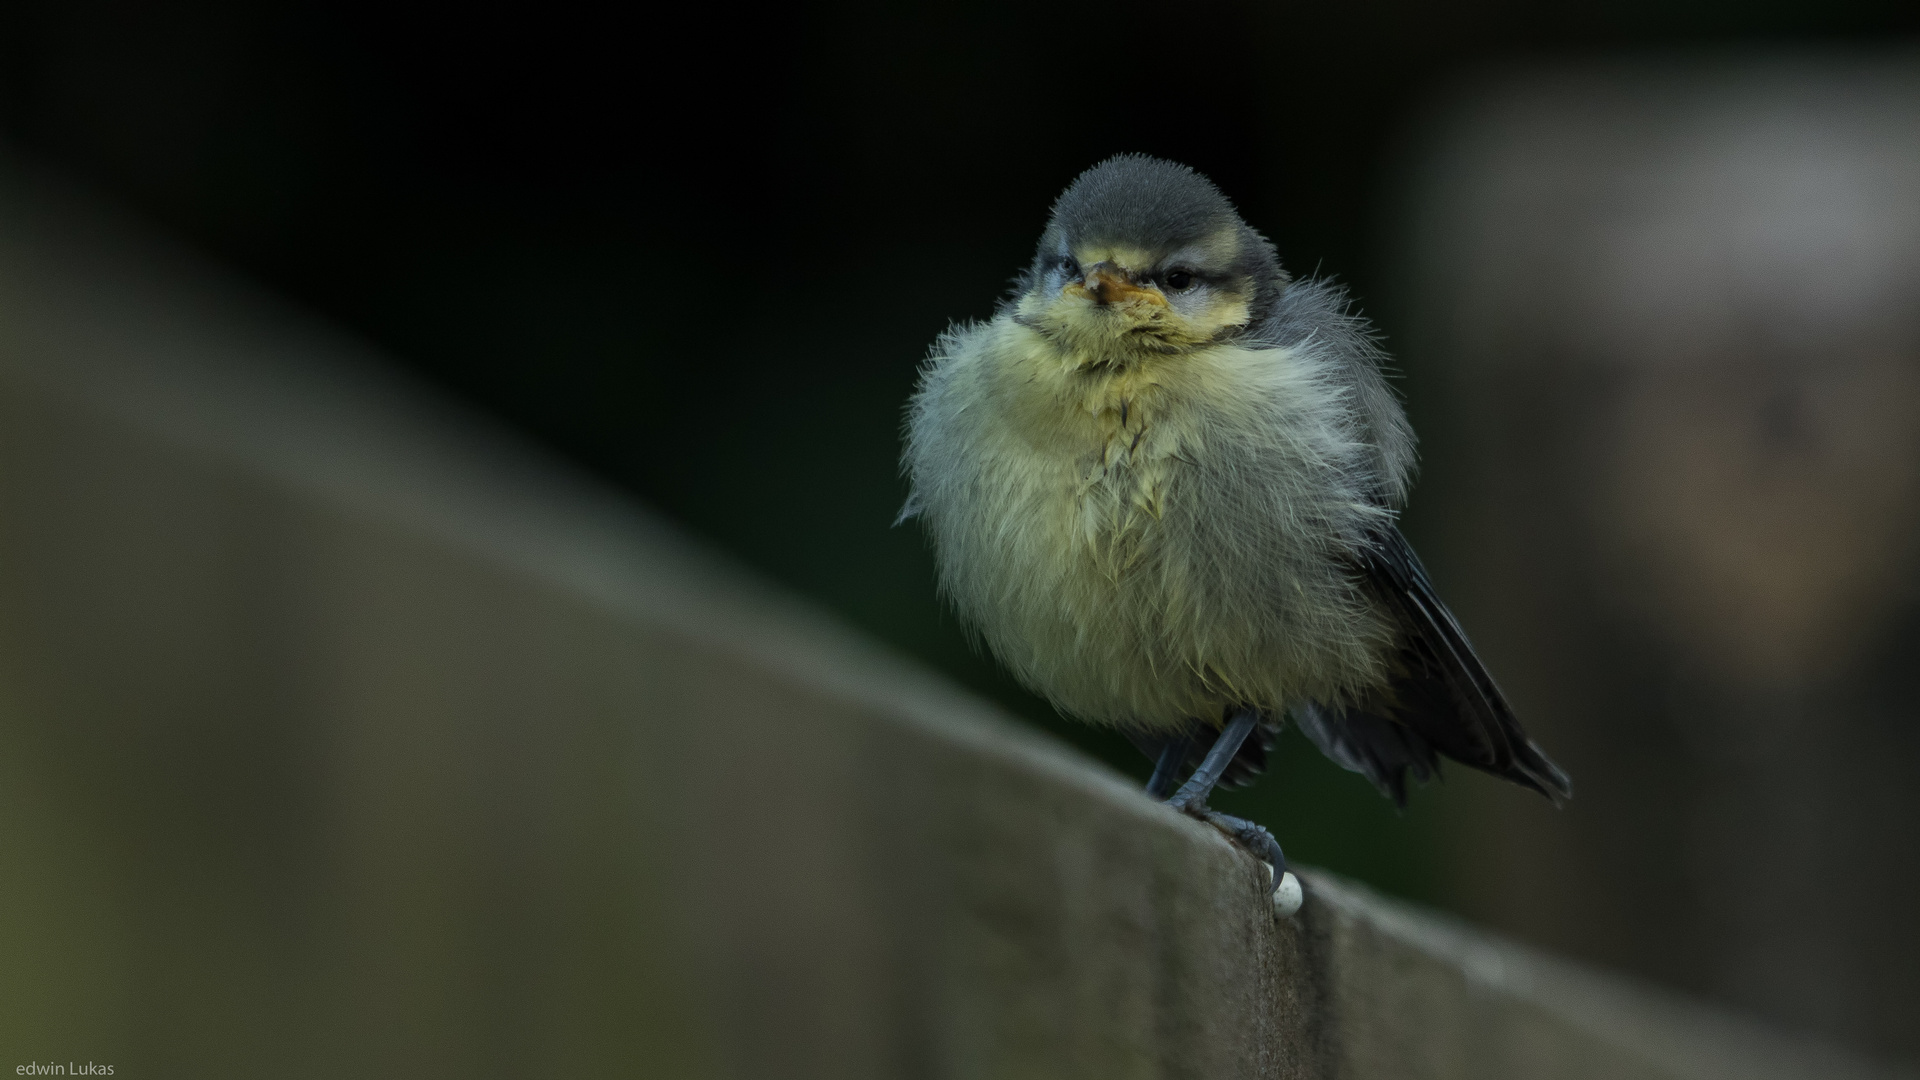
{"x":1162,"y":484}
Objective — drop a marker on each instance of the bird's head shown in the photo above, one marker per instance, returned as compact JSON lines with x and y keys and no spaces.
{"x":1144,"y":258}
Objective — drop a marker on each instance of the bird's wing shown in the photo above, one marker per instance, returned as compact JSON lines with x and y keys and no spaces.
{"x":1440,"y":697}
{"x":1377,"y":748}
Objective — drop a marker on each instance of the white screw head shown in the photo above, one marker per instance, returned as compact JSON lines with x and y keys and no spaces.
{"x":1289,"y":896}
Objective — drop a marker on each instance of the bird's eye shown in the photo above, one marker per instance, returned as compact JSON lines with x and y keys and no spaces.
{"x":1067,"y":264}
{"x":1179,"y":280}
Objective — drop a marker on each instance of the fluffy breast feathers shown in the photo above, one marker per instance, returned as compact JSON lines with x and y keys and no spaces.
{"x":1156,"y":543}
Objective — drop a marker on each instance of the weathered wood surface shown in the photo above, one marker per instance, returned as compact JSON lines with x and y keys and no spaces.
{"x":344,"y":736}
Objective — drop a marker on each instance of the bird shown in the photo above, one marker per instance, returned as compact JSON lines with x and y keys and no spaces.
{"x":1162,"y":485}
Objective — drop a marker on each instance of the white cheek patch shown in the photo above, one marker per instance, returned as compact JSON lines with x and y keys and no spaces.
{"x":1205,"y":316}
{"x":1231,"y":309}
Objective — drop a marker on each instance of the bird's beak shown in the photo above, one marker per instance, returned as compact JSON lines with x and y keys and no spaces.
{"x":1107,"y":284}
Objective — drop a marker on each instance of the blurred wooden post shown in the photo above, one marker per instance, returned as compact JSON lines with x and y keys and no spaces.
{"x":342,"y":736}
{"x":1669,"y":322}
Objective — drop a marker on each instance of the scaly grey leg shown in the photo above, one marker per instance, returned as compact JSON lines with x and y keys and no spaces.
{"x":1193,"y":794}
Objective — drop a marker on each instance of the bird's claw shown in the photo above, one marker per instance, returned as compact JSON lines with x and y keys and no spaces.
{"x":1249,"y":837}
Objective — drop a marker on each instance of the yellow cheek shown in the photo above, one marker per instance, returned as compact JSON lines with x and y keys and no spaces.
{"x":1225,"y":311}
{"x":1222,"y":313}
{"x":1086,"y":326}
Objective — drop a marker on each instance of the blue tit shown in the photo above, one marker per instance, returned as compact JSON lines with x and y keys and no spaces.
{"x":1162,"y":485}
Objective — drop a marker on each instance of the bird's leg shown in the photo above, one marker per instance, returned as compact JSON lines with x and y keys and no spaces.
{"x":1166,"y":770}
{"x":1192,"y":797}
{"x":1193,"y":794}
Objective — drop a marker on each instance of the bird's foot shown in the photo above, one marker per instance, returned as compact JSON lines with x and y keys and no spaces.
{"x":1191,"y":800}
{"x":1256,"y":841}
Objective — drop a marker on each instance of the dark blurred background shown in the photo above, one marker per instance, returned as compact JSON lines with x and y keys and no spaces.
{"x":701,"y":252}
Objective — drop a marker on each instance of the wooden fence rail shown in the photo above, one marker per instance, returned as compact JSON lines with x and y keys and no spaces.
{"x":342,"y":736}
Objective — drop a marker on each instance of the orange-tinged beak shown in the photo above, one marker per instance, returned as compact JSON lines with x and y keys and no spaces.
{"x":1106,"y":284}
